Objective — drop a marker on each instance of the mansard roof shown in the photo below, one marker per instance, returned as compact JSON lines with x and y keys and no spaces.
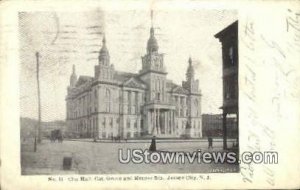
{"x":123,"y":76}
{"x":83,"y":79}
{"x":174,"y":88}
{"x":170,"y":85}
{"x":83,"y":84}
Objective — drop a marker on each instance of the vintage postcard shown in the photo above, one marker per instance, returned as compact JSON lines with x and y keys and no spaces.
{"x":150,"y":94}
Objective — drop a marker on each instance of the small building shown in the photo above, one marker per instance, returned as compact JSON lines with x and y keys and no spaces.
{"x":212,"y":125}
{"x":229,"y":40}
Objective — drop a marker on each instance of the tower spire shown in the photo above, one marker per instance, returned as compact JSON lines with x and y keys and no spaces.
{"x":73,"y":68}
{"x":104,"y":40}
{"x":152,"y":45}
{"x":151,"y":18}
{"x":73,"y":78}
{"x":104,"y":54}
{"x":190,"y":61}
{"x":190,"y":71}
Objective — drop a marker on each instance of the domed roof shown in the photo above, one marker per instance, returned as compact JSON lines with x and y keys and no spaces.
{"x":104,"y":50}
{"x":152,"y":45}
{"x":190,"y":71}
{"x":104,"y":58}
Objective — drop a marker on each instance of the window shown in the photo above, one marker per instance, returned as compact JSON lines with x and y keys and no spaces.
{"x":133,"y":98}
{"x":136,"y":134}
{"x":97,"y":123}
{"x":133,"y":102}
{"x":96,"y":94}
{"x":108,"y":100}
{"x":158,"y":96}
{"x":104,"y":123}
{"x":128,"y":123}
{"x":111,"y":122}
{"x":125,"y":94}
{"x":135,"y":125}
{"x":158,"y":81}
{"x":96,"y":99}
{"x":144,"y":97}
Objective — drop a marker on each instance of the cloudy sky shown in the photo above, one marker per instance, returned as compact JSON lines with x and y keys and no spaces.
{"x":67,"y":38}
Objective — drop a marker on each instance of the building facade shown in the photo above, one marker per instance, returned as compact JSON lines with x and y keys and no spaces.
{"x":212,"y":125}
{"x":229,"y":40}
{"x":133,"y":105}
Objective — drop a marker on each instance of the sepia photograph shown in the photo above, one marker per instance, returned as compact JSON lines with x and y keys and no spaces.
{"x":153,"y":94}
{"x":129,"y":91}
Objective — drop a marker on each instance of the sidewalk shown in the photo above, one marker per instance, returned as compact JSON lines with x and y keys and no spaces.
{"x":203,"y":140}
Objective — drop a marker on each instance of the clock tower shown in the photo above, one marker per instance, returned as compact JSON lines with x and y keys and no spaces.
{"x":153,"y":71}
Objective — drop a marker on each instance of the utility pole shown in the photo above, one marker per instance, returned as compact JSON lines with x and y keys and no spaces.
{"x":39,"y":134}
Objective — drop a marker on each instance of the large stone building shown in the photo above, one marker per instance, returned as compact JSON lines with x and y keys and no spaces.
{"x":133,"y":105}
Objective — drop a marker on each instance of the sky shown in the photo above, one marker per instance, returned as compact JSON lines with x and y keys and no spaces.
{"x":67,"y":38}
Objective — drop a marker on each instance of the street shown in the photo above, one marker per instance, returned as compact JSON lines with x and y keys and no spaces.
{"x":102,"y":158}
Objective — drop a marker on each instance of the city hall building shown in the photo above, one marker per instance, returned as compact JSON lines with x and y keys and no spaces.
{"x":133,"y":105}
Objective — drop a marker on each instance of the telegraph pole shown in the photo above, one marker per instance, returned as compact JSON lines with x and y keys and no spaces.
{"x":39,"y":134}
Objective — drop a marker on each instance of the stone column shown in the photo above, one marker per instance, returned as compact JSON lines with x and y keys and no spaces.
{"x":149,"y":116}
{"x":154,"y":122}
{"x":173,"y":122}
{"x":133,"y":102}
{"x":137,"y":103}
{"x":124,"y":101}
{"x":124,"y":127}
{"x":129,"y":102}
{"x":165,"y":123}
{"x":158,"y":121}
{"x":168,"y":122}
{"x":138,"y":124}
{"x":131,"y":128}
